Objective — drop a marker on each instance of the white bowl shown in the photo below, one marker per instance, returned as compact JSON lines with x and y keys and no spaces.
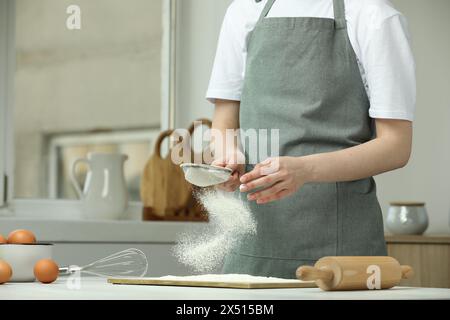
{"x":23,"y":257}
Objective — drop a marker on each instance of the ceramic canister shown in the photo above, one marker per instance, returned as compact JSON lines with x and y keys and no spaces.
{"x":407,"y":218}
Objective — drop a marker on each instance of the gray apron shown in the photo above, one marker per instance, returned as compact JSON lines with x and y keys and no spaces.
{"x":302,"y":77}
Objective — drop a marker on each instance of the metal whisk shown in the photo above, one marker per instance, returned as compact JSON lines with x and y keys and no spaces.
{"x":127,"y":263}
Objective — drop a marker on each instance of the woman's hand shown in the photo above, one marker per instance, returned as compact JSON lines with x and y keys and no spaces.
{"x":234,"y":160}
{"x":279,"y":177}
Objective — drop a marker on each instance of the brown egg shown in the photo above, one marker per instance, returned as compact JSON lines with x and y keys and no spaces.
{"x":21,"y":237}
{"x":5,"y":272}
{"x":2,"y":239}
{"x":46,"y":270}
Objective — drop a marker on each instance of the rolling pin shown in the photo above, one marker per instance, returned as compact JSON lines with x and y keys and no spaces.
{"x":355,"y":273}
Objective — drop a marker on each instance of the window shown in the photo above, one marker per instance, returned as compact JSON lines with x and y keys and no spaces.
{"x":6,"y":63}
{"x":104,"y":87}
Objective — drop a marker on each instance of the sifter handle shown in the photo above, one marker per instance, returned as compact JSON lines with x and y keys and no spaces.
{"x":308,"y":273}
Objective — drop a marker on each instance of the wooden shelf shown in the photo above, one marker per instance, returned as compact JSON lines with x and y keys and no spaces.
{"x":424,"y":239}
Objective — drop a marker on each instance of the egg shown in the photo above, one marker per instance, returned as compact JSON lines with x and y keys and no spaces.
{"x":5,"y":272}
{"x":46,"y":270}
{"x":21,"y":236}
{"x":2,"y":239}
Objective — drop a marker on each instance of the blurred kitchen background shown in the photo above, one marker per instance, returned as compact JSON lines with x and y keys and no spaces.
{"x":96,"y":89}
{"x":104,"y":88}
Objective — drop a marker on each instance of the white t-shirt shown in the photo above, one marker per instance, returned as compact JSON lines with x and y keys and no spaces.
{"x":377,"y":31}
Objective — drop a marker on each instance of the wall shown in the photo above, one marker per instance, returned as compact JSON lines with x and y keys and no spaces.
{"x":427,"y":176}
{"x":199,"y":23}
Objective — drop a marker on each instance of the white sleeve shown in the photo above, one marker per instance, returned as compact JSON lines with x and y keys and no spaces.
{"x":390,"y":69}
{"x":227,"y":75}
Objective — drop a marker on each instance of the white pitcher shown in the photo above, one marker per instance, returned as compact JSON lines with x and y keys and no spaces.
{"x":105,"y":194}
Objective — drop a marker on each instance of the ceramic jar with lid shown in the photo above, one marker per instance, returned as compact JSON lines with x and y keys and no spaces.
{"x":407,"y":218}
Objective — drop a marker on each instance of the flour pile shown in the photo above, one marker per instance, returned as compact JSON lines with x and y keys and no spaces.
{"x":228,"y":278}
{"x":229,"y":220}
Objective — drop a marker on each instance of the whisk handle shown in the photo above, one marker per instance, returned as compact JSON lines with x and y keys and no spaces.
{"x":64,"y":271}
{"x":68,"y":270}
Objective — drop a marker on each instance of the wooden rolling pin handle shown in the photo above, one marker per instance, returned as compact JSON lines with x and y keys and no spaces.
{"x":307,"y":273}
{"x":407,"y":272}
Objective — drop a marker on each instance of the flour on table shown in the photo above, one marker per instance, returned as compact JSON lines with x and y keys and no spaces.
{"x":228,"y":278}
{"x":229,"y":220}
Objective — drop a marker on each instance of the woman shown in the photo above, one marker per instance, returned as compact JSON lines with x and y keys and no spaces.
{"x":337,"y":79}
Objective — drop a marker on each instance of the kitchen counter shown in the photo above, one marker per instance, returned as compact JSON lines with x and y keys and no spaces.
{"x":424,"y":239}
{"x":96,"y":288}
{"x":111,"y":231}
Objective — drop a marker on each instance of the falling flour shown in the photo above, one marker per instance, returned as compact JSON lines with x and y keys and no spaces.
{"x":229,"y":220}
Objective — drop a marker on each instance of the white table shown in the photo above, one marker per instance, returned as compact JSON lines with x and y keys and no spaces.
{"x":96,"y":288}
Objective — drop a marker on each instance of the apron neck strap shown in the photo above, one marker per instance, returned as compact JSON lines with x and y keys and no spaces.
{"x":266,"y":9}
{"x":338,"y":7}
{"x":339,"y":14}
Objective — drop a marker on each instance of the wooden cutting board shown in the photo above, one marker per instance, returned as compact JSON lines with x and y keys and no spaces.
{"x":244,"y":284}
